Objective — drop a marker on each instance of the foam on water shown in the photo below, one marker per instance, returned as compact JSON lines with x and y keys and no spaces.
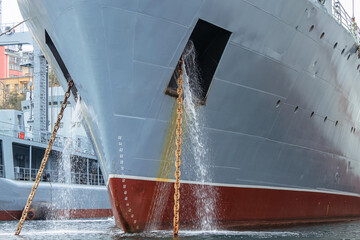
{"x":105,"y":229}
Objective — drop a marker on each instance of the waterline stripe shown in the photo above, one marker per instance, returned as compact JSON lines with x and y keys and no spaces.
{"x":327,"y":191}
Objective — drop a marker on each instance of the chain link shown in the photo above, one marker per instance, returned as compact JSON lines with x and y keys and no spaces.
{"x":178,"y":150}
{"x":44,"y":160}
{"x":14,"y":27}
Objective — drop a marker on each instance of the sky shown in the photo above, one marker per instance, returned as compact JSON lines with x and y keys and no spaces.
{"x":348,"y":6}
{"x":11,"y":12}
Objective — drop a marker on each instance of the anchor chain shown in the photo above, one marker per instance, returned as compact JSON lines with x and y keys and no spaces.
{"x":44,"y":160}
{"x":178,"y":151}
{"x":14,"y":27}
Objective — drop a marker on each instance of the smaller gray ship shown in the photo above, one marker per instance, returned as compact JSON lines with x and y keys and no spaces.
{"x":76,"y":191}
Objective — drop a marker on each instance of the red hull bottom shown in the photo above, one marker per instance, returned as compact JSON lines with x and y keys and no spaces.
{"x":71,"y":214}
{"x":136,"y":202}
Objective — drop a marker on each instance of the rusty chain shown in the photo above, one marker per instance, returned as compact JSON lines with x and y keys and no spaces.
{"x":178,"y":151}
{"x":44,"y":160}
{"x":13,"y":27}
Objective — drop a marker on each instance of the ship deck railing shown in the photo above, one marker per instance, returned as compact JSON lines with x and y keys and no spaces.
{"x":6,"y":26}
{"x":58,"y":176}
{"x":345,"y":20}
{"x":79,"y":144}
{"x":27,"y":174}
{"x":84,"y":178}
{"x":2,"y":171}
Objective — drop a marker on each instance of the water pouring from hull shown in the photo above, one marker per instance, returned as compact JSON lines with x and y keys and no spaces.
{"x":65,"y":198}
{"x":196,"y":140}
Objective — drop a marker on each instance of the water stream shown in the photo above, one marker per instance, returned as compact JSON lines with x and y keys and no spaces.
{"x":65,"y":199}
{"x":194,"y":154}
{"x":196,"y":140}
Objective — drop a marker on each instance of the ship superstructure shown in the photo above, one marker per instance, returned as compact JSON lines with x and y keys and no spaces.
{"x":280,"y":84}
{"x":73,"y":191}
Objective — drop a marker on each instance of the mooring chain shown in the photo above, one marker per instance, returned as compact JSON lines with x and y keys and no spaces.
{"x":3,"y":33}
{"x":178,"y":151}
{"x":44,"y":160}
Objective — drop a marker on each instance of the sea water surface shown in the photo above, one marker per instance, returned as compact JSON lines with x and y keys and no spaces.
{"x":87,"y":229}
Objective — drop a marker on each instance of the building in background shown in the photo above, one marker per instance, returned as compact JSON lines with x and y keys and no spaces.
{"x":30,"y":96}
{"x":70,"y":126}
{"x":15,"y":76}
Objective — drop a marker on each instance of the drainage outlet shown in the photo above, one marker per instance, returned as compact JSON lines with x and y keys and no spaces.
{"x":208,"y":42}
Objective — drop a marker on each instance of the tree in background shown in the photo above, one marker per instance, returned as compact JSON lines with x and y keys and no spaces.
{"x":15,"y":100}
{"x":53,"y":81}
{"x":12,"y":101}
{"x":4,"y":93}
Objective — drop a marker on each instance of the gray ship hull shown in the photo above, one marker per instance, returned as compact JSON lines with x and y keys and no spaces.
{"x":52,"y":201}
{"x":281,"y":110}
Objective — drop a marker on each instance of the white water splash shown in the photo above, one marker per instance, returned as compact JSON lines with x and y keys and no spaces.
{"x":196,"y":139}
{"x":66,"y":200}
